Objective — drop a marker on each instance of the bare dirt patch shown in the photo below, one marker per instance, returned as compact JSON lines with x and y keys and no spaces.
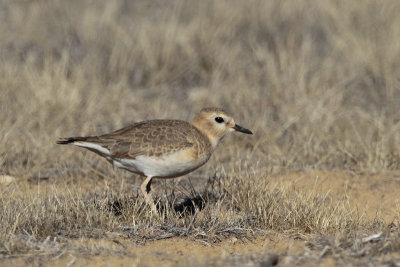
{"x":373,"y":195}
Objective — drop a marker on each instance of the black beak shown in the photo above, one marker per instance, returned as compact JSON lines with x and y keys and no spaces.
{"x":242,"y":129}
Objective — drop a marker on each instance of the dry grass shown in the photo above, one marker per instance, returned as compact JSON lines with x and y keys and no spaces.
{"x":318,"y":82}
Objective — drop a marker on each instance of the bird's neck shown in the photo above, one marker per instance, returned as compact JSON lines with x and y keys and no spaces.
{"x":214,"y":140}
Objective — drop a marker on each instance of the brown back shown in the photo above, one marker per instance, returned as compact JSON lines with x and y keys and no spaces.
{"x":153,"y":138}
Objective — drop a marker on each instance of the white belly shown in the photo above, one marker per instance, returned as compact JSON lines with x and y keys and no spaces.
{"x":173,"y":165}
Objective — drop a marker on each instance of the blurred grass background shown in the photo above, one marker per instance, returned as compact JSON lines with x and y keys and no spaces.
{"x":318,"y":82}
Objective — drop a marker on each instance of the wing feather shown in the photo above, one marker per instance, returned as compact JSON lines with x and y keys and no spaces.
{"x":150,"y":138}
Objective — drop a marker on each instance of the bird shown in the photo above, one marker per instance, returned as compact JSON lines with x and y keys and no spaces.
{"x":162,"y":148}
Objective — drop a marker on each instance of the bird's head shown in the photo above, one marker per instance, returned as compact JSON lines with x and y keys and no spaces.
{"x":216,"y":123}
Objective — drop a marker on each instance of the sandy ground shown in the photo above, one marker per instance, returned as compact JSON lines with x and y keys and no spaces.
{"x":169,"y":252}
{"x":373,"y":195}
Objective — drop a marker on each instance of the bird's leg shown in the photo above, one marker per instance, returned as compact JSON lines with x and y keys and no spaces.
{"x":145,"y":188}
{"x":148,"y":186}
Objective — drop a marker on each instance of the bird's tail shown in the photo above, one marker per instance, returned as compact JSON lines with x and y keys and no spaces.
{"x":71,"y":140}
{"x":93,"y":143}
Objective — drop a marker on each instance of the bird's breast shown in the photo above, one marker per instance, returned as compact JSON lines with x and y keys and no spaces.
{"x":165,"y":166}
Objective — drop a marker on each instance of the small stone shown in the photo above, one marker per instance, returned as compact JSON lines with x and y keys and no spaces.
{"x":272,"y":260}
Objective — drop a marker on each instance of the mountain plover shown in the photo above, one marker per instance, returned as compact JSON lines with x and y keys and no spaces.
{"x":162,"y":148}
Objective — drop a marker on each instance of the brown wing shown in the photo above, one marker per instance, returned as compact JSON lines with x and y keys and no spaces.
{"x":151,"y":138}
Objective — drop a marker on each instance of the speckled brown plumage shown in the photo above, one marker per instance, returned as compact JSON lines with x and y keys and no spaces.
{"x":152,"y":138}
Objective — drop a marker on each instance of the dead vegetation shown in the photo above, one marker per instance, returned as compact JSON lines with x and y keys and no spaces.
{"x":318,"y":83}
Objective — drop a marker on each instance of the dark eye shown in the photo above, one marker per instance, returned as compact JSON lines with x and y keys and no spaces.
{"x":219,"y":119}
